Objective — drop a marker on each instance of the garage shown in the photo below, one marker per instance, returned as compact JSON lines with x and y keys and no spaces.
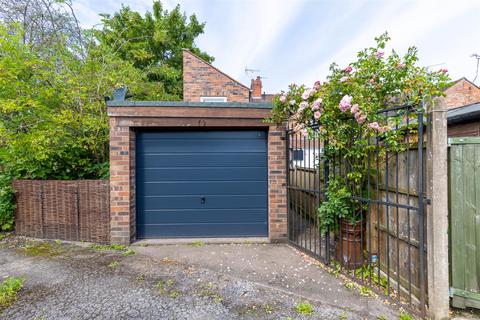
{"x":201,"y":183}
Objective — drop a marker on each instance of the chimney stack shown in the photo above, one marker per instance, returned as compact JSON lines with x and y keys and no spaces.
{"x":256,"y":87}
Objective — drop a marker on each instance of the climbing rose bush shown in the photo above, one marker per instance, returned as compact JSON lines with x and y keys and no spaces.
{"x":343,"y":111}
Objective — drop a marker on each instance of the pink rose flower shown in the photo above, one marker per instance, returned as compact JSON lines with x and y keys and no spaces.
{"x":374,"y":126}
{"x":317,"y":103}
{"x":316,"y":85}
{"x":302,"y":105}
{"x":360,"y":117}
{"x":383,"y":129}
{"x":317,"y":115}
{"x":345,"y":103}
{"x":343,"y":79}
{"x":379,"y":54}
{"x":355,"y":108}
{"x":304,"y":132}
{"x":307,"y":93}
{"x":282,"y":98}
{"x":348,"y":69}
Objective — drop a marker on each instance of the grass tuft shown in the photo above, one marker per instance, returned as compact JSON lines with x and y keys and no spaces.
{"x":304,"y":308}
{"x":8,"y":291}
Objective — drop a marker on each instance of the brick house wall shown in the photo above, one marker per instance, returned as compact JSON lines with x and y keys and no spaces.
{"x":126,"y":119}
{"x":201,"y":79}
{"x":463,"y":92}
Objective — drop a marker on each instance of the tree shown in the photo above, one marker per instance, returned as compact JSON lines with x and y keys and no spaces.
{"x":154,"y":43}
{"x":54,"y":78}
{"x":44,"y":22}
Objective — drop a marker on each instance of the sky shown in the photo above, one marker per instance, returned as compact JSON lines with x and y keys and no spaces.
{"x":295,"y":41}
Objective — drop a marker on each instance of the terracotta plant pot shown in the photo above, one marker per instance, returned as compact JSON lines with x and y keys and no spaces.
{"x":350,"y":244}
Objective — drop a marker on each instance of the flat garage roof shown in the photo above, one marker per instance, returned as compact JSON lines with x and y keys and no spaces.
{"x":132,"y":103}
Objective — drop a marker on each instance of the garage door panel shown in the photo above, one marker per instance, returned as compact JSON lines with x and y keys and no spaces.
{"x":194,"y":202}
{"x":201,"y":173}
{"x":198,"y":216}
{"x":153,"y":231}
{"x":205,"y":146}
{"x":186,"y":159}
{"x":202,"y":188}
{"x":204,"y":135}
{"x":201,"y":184}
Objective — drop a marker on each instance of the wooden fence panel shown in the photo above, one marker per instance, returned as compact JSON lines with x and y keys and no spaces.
{"x":67,"y":210}
{"x":464,"y":187}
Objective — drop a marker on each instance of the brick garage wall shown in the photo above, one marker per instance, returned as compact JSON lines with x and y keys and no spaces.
{"x":122,"y":161}
{"x":277,"y":181}
{"x":76,"y":210}
{"x":201,"y":79}
{"x":462,"y":93}
{"x":122,"y":184}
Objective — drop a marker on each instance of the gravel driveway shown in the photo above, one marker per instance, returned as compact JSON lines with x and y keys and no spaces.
{"x":237,"y":281}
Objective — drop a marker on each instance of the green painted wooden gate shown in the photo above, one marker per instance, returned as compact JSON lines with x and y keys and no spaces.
{"x":464,"y":190}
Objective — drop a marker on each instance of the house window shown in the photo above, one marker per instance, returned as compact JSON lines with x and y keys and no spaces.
{"x":297,"y":154}
{"x":213,"y":99}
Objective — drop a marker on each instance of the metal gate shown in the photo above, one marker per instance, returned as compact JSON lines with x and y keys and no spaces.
{"x":391,"y":257}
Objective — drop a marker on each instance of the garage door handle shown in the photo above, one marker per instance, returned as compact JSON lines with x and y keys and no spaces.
{"x":202,"y":200}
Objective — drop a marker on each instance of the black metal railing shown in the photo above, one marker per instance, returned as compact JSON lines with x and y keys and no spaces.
{"x":385,"y":249}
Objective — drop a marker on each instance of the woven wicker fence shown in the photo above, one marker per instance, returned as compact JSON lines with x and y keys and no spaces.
{"x":68,"y":210}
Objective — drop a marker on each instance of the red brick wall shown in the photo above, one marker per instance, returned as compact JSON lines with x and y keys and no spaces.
{"x":122,"y":186}
{"x":201,"y":79}
{"x":277,"y":181}
{"x":462,"y":93}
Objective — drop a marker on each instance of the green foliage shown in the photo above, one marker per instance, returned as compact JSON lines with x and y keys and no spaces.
{"x":128,"y":252}
{"x":368,"y":272}
{"x":101,"y":247}
{"x":53,"y":120}
{"x":8,"y":291}
{"x":339,"y":205}
{"x":304,"y":308}
{"x":405,"y":316}
{"x":197,"y":244}
{"x":346,"y":109}
{"x":153,"y":43}
{"x":7,"y":203}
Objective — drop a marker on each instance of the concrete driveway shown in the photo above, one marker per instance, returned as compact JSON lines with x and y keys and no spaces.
{"x":196,"y":281}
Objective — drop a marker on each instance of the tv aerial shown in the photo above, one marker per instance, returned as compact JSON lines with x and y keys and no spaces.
{"x":476,"y":56}
{"x":250,"y":72}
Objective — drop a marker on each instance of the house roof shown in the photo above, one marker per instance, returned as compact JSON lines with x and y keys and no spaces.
{"x":461,"y":79}
{"x":213,"y":67}
{"x":465,"y":113}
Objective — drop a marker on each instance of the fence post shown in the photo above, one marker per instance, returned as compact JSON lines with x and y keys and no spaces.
{"x":437,"y":211}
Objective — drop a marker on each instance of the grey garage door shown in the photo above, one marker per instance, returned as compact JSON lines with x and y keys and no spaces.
{"x":201,"y":184}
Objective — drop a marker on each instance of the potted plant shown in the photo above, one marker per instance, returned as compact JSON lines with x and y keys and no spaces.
{"x":345,"y":217}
